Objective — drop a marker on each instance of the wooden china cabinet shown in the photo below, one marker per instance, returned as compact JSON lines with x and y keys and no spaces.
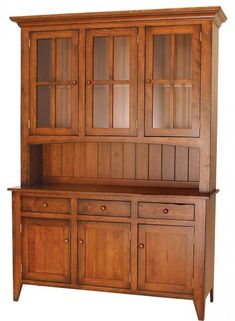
{"x":118,"y":159}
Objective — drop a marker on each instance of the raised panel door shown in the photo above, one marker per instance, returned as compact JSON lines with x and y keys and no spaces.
{"x":54,"y":83}
{"x":172,"y":81}
{"x":46,"y":250}
{"x":165,"y":258}
{"x":111,"y":81}
{"x":104,"y":254}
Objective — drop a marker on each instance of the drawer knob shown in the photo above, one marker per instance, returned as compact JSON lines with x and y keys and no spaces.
{"x":66,"y":241}
{"x":88,"y":82}
{"x":141,"y":246}
{"x":74,"y":82}
{"x":103,"y":208}
{"x":165,"y":211}
{"x":149,"y":81}
{"x":44,"y":204}
{"x":81,"y":241}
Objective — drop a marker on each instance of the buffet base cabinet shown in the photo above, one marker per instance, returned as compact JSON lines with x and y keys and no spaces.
{"x":161,"y":245}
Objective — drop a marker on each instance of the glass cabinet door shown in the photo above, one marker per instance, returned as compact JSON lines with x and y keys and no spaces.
{"x":111,"y":80}
{"x":172,"y":81}
{"x":54,"y":83}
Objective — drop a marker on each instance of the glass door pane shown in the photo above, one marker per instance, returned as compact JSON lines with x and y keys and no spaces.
{"x":161,"y":107}
{"x":121,"y":58}
{"x":172,"y":81}
{"x":63,"y":107}
{"x":54,"y":79}
{"x":183,"y":56}
{"x":101,"y":106}
{"x":43,"y":106}
{"x":44,"y":54}
{"x":121,"y":102}
{"x":111,"y":81}
{"x":162,"y":57}
{"x":182,"y":107}
{"x":63,"y":59}
{"x":101,"y":58}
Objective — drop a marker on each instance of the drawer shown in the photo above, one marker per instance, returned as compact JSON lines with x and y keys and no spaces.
{"x":166,"y":211}
{"x":104,"y":208}
{"x":46,"y":205}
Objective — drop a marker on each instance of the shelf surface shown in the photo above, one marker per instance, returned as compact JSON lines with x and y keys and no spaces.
{"x":114,"y":189}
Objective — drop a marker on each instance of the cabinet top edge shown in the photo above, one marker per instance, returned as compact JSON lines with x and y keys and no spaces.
{"x":212,"y":13}
{"x":114,"y":190}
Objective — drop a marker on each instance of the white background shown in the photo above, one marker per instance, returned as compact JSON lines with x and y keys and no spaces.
{"x":43,"y":303}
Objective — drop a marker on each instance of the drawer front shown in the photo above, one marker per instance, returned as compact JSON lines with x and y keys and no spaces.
{"x":46,"y":205}
{"x":166,"y":211}
{"x":104,"y":208}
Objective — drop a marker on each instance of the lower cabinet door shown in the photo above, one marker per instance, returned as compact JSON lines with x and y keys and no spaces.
{"x":104,"y":254}
{"x":165,"y":258}
{"x":46,"y":249}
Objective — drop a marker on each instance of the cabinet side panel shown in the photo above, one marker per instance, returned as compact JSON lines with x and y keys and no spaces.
{"x":214,"y":104}
{"x":206,"y":76}
{"x":210,"y":245}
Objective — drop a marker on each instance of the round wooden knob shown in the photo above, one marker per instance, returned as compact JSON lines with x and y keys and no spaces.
{"x":103,"y":208}
{"x":141,"y":246}
{"x":66,"y":240}
{"x":88,"y":82}
{"x":165,"y":211}
{"x":44,"y":204}
{"x":74,"y":82}
{"x":81,"y":241}
{"x":149,"y":81}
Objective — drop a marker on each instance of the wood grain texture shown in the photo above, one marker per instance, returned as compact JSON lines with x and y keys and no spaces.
{"x":104,"y":254}
{"x":166,"y":211}
{"x":152,"y":162}
{"x":214,"y":13}
{"x":46,"y":250}
{"x":104,"y":208}
{"x":165,"y":258}
{"x":45,"y":205}
{"x":168,"y":162}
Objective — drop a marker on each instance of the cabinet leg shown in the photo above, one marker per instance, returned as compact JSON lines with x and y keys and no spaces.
{"x":16,"y":291}
{"x":200,"y":308}
{"x":212,"y":295}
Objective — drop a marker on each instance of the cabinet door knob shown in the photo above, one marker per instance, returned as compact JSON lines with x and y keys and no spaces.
{"x":81,"y":241}
{"x":44,"y":204}
{"x":149,"y":81}
{"x":88,"y":82}
{"x":103,"y":208}
{"x":74,"y":82}
{"x":141,"y":246}
{"x":165,"y":211}
{"x":66,"y":241}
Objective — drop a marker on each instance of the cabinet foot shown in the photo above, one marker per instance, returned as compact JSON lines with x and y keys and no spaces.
{"x":200,"y":308}
{"x":212,"y":295}
{"x":17,"y":291}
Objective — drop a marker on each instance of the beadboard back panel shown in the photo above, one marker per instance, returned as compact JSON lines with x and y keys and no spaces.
{"x":120,"y":162}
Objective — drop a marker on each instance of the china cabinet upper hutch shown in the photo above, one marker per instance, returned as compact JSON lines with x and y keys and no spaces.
{"x":118,"y":157}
